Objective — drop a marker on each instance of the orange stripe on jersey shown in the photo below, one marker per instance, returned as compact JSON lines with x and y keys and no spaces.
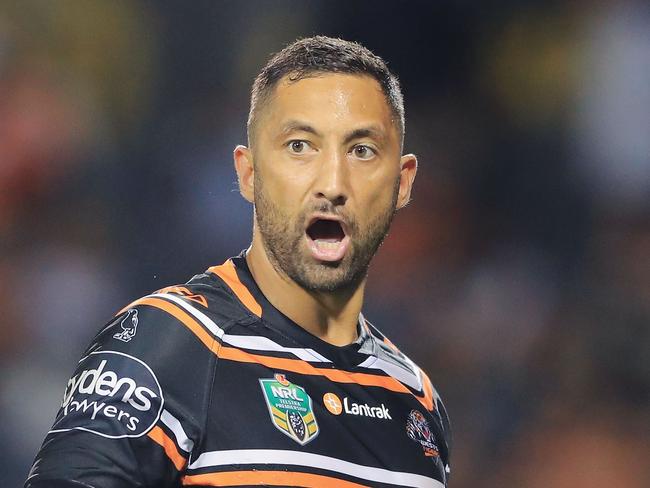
{"x":181,"y":315}
{"x":294,"y":365}
{"x":268,"y":478}
{"x":228,"y":274}
{"x":186,"y":293}
{"x":130,"y":305}
{"x":303,"y":367}
{"x":170,"y":289}
{"x":159,"y":436}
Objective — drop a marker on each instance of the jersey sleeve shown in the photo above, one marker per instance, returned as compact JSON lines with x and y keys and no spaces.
{"x":134,"y":408}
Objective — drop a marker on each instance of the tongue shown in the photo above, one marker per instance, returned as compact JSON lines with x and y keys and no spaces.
{"x":328,"y":250}
{"x":327,"y":244}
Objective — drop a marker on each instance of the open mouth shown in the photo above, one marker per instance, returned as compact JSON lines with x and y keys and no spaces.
{"x":327,"y":239}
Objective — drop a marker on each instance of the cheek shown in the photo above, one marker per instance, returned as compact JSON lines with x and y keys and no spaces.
{"x":283,"y":191}
{"x":288,"y":180}
{"x":373,"y":210}
{"x":378,"y":193}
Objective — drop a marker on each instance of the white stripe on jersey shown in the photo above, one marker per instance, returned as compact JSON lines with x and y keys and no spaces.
{"x":298,"y":458}
{"x":183,"y":441}
{"x":398,"y":372}
{"x":256,"y":343}
{"x":266,"y":344}
{"x":200,"y":316}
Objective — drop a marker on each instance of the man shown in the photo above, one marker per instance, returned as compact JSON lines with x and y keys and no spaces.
{"x":263,"y":371}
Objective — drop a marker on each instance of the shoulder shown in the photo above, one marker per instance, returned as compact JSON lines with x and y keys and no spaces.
{"x":176,"y":328}
{"x":140,"y":394}
{"x":160,"y":338}
{"x":176,"y":311}
{"x":204,"y":293}
{"x":134,"y":374}
{"x":394,"y":361}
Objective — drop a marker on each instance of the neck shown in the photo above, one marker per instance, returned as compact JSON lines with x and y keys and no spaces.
{"x":330,"y":316}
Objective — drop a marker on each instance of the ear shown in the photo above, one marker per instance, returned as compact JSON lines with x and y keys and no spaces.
{"x":245,"y":171}
{"x":408,"y":169}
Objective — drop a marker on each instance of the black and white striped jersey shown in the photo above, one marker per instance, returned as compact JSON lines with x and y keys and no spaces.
{"x":207,"y":384}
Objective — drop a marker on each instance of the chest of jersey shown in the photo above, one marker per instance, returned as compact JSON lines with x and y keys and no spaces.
{"x":279,"y":417}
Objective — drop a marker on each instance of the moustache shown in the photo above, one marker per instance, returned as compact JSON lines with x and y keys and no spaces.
{"x":328,"y":208}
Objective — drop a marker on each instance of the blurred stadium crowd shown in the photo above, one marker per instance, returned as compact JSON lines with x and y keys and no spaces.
{"x":519,"y":277}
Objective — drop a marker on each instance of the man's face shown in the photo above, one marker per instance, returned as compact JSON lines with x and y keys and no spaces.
{"x":327,"y":178}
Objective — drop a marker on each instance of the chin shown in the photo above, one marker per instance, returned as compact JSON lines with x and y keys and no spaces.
{"x":327,"y":277}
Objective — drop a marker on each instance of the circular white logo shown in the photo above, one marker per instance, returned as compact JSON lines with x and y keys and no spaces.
{"x":113,"y":395}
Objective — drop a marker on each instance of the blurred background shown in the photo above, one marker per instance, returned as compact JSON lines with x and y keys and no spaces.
{"x":524,"y":283}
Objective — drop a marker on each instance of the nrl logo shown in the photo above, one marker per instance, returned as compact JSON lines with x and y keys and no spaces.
{"x":290,"y":408}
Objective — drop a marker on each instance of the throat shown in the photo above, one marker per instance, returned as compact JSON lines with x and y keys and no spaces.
{"x":330,"y":316}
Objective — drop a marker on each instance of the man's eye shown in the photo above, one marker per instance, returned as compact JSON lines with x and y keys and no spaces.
{"x":298,"y":146}
{"x":363,"y":152}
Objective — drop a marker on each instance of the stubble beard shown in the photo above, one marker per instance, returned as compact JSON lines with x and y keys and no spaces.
{"x":283,"y":240}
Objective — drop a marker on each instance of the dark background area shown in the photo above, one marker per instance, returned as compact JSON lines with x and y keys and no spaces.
{"x":519,"y":277}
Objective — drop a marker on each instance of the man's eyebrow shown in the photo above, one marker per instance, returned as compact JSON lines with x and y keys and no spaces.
{"x":297,"y":126}
{"x":372,"y":131}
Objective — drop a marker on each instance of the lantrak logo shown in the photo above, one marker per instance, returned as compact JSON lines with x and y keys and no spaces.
{"x":333,"y":404}
{"x":115,"y":395}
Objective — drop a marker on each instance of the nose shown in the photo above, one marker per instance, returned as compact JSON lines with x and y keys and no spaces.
{"x":332,"y":181}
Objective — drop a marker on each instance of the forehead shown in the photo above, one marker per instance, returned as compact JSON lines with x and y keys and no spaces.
{"x":330,"y":100}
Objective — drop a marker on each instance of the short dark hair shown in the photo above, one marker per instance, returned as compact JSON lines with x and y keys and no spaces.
{"x":316,"y":55}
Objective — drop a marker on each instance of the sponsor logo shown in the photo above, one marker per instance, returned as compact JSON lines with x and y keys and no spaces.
{"x":114,"y":395}
{"x":334,"y":406}
{"x":129,"y":326}
{"x":290,"y":408}
{"x":418,"y":430}
{"x":332,"y":403}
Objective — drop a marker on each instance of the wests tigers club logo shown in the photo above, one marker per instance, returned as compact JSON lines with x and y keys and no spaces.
{"x":418,"y":429}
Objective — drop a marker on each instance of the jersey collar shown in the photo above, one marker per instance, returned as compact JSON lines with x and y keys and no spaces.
{"x":350,"y":355}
